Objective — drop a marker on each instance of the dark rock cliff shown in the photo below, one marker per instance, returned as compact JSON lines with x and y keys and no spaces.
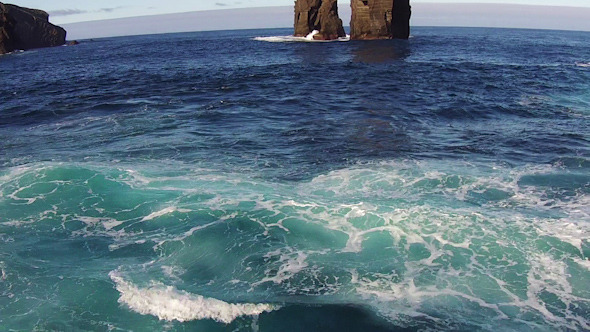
{"x":371,"y":19}
{"x":400,"y":26}
{"x":25,"y":29}
{"x":320,"y":15}
{"x":380,"y":19}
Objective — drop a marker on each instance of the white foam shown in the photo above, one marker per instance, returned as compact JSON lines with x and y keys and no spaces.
{"x":136,"y":178}
{"x":383,"y":292}
{"x":311,"y":34}
{"x":29,"y":200}
{"x":293,"y":39}
{"x":164,"y":212}
{"x":567,"y":232}
{"x":173,"y":272}
{"x":168,"y":303}
{"x":583,"y":64}
{"x":107,"y":223}
{"x":356,"y":238}
{"x":3,"y":275}
{"x":18,"y":223}
{"x":111,"y":223}
{"x":551,"y":275}
{"x":440,"y":228}
{"x":292,"y":262}
{"x":14,"y":172}
{"x":584,"y":262}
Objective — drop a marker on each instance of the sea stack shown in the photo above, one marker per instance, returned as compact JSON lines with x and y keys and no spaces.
{"x":319,"y":15}
{"x":25,"y":29}
{"x":400,"y":25}
{"x":380,"y":19}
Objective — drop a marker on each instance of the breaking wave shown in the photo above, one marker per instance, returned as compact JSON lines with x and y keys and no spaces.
{"x":168,"y":303}
{"x":306,"y":39}
{"x":409,"y":239}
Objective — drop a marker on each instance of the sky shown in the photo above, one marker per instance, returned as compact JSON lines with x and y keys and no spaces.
{"x":69,"y":11}
{"x":86,"y":19}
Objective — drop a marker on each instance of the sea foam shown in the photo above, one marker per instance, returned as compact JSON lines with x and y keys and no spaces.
{"x":164,"y":212}
{"x":3,"y":275}
{"x":306,"y":39}
{"x":292,"y":262}
{"x":168,"y":303}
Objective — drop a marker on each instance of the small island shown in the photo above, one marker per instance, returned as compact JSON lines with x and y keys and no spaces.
{"x":371,"y":19}
{"x":25,"y":29}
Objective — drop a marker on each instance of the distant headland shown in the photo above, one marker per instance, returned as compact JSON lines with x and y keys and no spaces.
{"x":371,"y":19}
{"x":25,"y":29}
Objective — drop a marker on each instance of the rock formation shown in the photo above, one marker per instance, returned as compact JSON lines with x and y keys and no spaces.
{"x":320,"y":15}
{"x":25,"y":29}
{"x":371,"y":19}
{"x":5,"y":42}
{"x":400,"y":26}
{"x":380,"y":19}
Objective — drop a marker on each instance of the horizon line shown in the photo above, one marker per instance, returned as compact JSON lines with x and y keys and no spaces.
{"x":428,"y":14}
{"x":283,"y":6}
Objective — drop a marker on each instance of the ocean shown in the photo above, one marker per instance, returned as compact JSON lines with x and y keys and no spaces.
{"x":248,"y":181}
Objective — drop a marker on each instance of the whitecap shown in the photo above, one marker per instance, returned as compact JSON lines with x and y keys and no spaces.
{"x":306,"y":39}
{"x":292,"y":262}
{"x":14,"y":173}
{"x":311,"y":35}
{"x":164,"y":212}
{"x":583,"y":64}
{"x":107,"y":223}
{"x":173,"y":272}
{"x":3,"y":274}
{"x":170,"y":304}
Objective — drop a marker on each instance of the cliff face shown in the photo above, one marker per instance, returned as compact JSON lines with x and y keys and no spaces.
{"x":400,"y":26}
{"x":5,"y":42}
{"x":306,"y":14}
{"x":371,"y":19}
{"x":25,"y":29}
{"x":380,"y":19}
{"x":320,"y":15}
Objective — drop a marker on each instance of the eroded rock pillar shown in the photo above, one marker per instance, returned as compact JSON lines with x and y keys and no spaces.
{"x":400,"y":25}
{"x":380,"y":19}
{"x":320,"y":15}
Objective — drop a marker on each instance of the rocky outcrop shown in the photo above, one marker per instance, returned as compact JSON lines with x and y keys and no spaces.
{"x":400,"y":25}
{"x":371,"y":19}
{"x":25,"y":29}
{"x":306,"y":14}
{"x":320,"y":15}
{"x":380,"y":19}
{"x":5,"y":41}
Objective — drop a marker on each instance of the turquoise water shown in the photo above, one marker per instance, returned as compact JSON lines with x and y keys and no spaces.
{"x":175,"y":196}
{"x":407,"y":240}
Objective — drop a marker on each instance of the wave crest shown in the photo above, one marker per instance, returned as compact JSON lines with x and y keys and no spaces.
{"x":306,"y":39}
{"x":168,"y":303}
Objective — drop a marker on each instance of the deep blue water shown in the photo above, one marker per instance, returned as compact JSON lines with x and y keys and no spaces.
{"x":216,"y":181}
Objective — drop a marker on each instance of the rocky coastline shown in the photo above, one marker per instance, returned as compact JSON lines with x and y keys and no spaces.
{"x":24,"y":29}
